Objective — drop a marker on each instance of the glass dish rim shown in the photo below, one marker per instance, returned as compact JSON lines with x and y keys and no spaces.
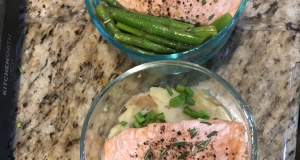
{"x":190,"y":65}
{"x":177,"y":55}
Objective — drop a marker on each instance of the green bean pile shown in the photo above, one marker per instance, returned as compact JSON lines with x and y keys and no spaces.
{"x":155,"y":35}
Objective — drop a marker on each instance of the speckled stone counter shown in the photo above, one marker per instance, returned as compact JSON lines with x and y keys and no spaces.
{"x":66,"y":63}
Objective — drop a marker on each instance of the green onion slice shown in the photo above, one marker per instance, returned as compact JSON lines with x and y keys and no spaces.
{"x":136,"y":125}
{"x":160,"y":115}
{"x":188,"y":91}
{"x":179,"y":143}
{"x":183,"y":95}
{"x":177,"y":101}
{"x":147,"y":154}
{"x":19,"y":125}
{"x":139,"y":117}
{"x":20,"y":69}
{"x":151,"y":118}
{"x":212,"y":134}
{"x":144,"y":111}
{"x":169,"y":90}
{"x":189,"y":101}
{"x":204,"y":114}
{"x":194,"y":114}
{"x":123,"y":123}
{"x":179,"y":88}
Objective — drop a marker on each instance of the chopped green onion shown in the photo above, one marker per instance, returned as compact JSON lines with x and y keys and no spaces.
{"x":20,"y":69}
{"x":179,"y":88}
{"x":151,"y":118}
{"x":179,"y":143}
{"x":188,"y":91}
{"x":123,"y":123}
{"x":183,"y":95}
{"x":177,"y":101}
{"x":169,"y":90}
{"x":212,"y":134}
{"x":19,"y":125}
{"x":205,"y":122}
{"x":160,"y":115}
{"x":144,"y":111}
{"x":163,"y":151}
{"x":205,"y":115}
{"x":183,"y":155}
{"x":189,"y":101}
{"x":139,"y":117}
{"x":136,"y":125}
{"x":193,"y":132}
{"x":147,"y":154}
{"x":194,"y":114}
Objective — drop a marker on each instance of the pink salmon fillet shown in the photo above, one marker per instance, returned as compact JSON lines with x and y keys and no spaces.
{"x":132,"y":144}
{"x":192,"y":11}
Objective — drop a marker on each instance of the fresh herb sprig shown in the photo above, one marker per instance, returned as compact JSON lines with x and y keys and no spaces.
{"x":193,"y":132}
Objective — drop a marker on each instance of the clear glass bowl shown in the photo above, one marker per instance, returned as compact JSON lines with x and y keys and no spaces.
{"x":108,"y":105}
{"x":198,"y":55}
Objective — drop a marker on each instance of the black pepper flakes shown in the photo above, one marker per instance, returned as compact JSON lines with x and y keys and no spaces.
{"x":178,"y":133}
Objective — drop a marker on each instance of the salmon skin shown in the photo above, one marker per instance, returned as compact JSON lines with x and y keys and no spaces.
{"x":217,"y":139}
{"x":192,"y":11}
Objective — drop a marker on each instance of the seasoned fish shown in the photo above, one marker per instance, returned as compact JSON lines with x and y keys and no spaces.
{"x":193,"y":11}
{"x":133,"y":144}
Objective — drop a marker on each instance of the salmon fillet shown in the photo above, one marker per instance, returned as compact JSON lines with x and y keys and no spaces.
{"x":132,"y":144}
{"x":192,"y":11}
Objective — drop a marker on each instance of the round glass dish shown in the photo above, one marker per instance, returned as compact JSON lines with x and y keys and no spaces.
{"x":108,"y":105}
{"x":199,"y":55}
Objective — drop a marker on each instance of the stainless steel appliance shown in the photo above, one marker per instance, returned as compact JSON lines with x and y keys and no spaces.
{"x":9,"y":15}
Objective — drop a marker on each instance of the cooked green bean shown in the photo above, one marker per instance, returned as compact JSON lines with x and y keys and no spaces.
{"x":113,"y":3}
{"x":157,"y":29}
{"x":142,"y":43}
{"x":161,"y":20}
{"x":106,"y":19}
{"x":178,"y":46}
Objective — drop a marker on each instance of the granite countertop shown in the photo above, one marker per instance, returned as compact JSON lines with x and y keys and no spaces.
{"x":66,"y":63}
